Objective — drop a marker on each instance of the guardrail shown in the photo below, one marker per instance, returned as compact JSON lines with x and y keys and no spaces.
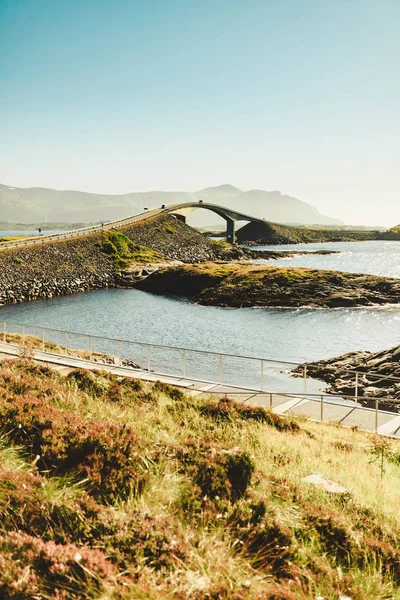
{"x":32,"y":241}
{"x":247,"y":373}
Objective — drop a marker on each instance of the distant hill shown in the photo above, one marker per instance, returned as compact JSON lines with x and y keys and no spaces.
{"x":34,"y":205}
{"x":391,"y":234}
{"x":272,"y":206}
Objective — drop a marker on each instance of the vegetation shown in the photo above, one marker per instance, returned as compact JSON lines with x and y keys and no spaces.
{"x":275,"y":233}
{"x":116,"y":488}
{"x":29,"y":343}
{"x":238,"y":284}
{"x":125,"y":252}
{"x":391,"y":234}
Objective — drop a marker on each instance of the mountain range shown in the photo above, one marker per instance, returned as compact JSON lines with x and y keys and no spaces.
{"x":42,"y":205}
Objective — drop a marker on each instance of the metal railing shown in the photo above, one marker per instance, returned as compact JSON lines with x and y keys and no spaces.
{"x":246,"y":375}
{"x":42,"y":239}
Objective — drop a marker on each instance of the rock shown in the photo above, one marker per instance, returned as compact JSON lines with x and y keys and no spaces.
{"x":325,"y":484}
{"x":378,"y":374}
{"x":338,"y":300}
{"x":239,"y":285}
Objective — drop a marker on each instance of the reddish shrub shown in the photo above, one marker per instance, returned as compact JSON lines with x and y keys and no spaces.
{"x":31,"y":568}
{"x":143,"y":539}
{"x":224,"y":475}
{"x":262,"y":538}
{"x":172,"y":392}
{"x":24,"y":508}
{"x":88,"y":381}
{"x":108,"y":455}
{"x":105,"y":385}
{"x":269,"y":545}
{"x":387,"y":555}
{"x":284,"y":489}
{"x":333,"y":533}
{"x":230,"y":409}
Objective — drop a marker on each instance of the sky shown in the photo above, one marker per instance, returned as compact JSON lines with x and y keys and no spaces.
{"x":300,"y":96}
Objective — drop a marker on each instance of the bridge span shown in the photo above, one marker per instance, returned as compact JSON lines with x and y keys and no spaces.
{"x":231,"y":216}
{"x":180,"y":211}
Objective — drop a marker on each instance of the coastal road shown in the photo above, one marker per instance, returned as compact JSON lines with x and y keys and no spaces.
{"x":181,"y":210}
{"x":67,"y":235}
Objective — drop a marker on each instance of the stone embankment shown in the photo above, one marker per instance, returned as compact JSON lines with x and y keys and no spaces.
{"x":56,"y":269}
{"x":378,"y":373}
{"x":238,"y":285}
{"x":81,"y":264}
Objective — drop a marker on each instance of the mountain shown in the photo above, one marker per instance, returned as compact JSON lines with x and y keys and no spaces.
{"x":34,"y":205}
{"x":272,"y":206}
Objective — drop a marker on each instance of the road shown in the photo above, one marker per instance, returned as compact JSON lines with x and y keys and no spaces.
{"x":181,"y":209}
{"x":67,"y":235}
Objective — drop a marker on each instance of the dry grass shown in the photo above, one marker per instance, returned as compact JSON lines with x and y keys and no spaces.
{"x":223,"y":514}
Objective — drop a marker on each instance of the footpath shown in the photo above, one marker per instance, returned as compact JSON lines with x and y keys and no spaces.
{"x":316,"y":408}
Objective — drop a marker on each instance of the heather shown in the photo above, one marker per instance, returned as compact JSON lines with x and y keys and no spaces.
{"x":116,"y":488}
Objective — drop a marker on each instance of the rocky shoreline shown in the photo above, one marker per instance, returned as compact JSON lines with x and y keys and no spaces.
{"x":238,"y":285}
{"x":264,"y":233}
{"x":77,"y":265}
{"x":378,"y":374}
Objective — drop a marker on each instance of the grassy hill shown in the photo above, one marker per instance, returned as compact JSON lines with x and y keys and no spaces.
{"x":115,"y":488}
{"x":274,"y":233}
{"x":392,"y":234}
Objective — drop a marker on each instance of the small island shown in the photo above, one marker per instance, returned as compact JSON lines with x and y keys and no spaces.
{"x":243,"y":285}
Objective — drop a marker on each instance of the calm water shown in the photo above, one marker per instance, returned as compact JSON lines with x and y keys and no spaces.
{"x":374,"y":257}
{"x":280,"y":334}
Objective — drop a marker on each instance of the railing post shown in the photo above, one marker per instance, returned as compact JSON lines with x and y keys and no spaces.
{"x":148,"y":357}
{"x":90,"y":347}
{"x":184,"y":363}
{"x":4,"y":331}
{"x":23,"y":330}
{"x":270,"y":401}
{"x":376,"y":414}
{"x":356,"y":389}
{"x":66,"y":343}
{"x":220,"y":368}
{"x":322,"y":408}
{"x":262,"y":376}
{"x":43,"y":339}
{"x":119,"y":352}
{"x":305,"y":379}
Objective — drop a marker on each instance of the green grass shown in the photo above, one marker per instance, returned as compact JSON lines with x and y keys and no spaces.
{"x":222,"y":511}
{"x":391,"y":234}
{"x":126,"y":252}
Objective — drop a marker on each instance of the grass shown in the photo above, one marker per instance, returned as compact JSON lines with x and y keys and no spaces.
{"x":220,"y":511}
{"x":391,"y":234}
{"x":244,"y":285}
{"x":15,"y":238}
{"x":28,"y":343}
{"x":126,"y":252}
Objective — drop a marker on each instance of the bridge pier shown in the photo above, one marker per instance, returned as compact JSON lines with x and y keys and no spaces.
{"x":230,"y":230}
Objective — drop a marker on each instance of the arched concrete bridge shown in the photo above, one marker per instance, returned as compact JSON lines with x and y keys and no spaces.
{"x":181,"y":211}
{"x":231,"y":216}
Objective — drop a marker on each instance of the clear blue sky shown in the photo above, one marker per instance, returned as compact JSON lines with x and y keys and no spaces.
{"x":115,"y":96}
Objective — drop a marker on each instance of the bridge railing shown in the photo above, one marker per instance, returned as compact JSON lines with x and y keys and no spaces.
{"x":248,"y":374}
{"x":42,"y":239}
